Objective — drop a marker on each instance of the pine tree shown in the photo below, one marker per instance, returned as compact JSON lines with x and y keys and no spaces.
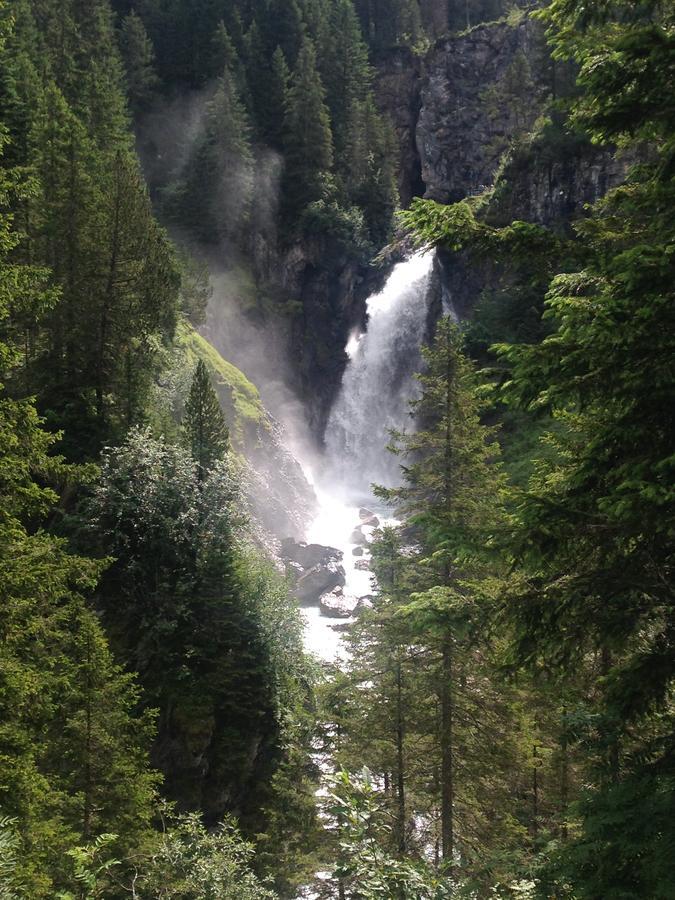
{"x":204,"y":427}
{"x":213,"y":196}
{"x":345,"y":72}
{"x":371,"y":172}
{"x":42,"y":622}
{"x":139,"y":62}
{"x":224,"y":57}
{"x":308,"y":140}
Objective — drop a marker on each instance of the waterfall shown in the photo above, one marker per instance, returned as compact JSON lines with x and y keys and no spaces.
{"x":378,"y":383}
{"x":377,"y":388}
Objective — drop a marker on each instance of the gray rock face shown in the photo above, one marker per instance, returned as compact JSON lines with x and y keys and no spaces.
{"x":397,"y":86}
{"x":318,"y":580}
{"x":336,"y":605}
{"x":481,"y":88}
{"x":558,"y":191}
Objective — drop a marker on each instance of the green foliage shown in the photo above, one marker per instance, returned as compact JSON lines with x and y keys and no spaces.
{"x":238,"y":396}
{"x":592,"y":539}
{"x":10,"y":886}
{"x":204,"y":428}
{"x":139,"y":62}
{"x":308,"y":140}
{"x":184,"y":610}
{"x":92,"y":867}
{"x":366,"y":871}
{"x":87,"y":217}
{"x":191,"y":863}
{"x":212,"y":195}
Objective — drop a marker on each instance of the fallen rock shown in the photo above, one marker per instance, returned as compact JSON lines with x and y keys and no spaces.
{"x":358,"y":537}
{"x":317,"y":581}
{"x":335,"y":605}
{"x":308,"y":555}
{"x":357,"y":551}
{"x":363,"y":565}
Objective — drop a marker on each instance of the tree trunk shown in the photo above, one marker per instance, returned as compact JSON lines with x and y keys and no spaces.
{"x":447,"y":761}
{"x":400,"y":771}
{"x":564,"y":775}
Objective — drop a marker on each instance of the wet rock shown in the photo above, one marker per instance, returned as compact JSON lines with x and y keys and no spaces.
{"x":317,"y":581}
{"x":363,"y":565}
{"x":368,"y":518}
{"x":358,"y":537}
{"x":336,"y":605}
{"x":341,"y":626}
{"x":308,"y":555}
{"x":357,"y":551}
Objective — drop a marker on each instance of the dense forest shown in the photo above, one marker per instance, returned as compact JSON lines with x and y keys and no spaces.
{"x":501,"y":723}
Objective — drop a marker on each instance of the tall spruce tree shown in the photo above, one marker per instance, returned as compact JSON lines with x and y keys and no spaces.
{"x":308,"y":142}
{"x":138,"y":55}
{"x":206,"y":433}
{"x":213,"y":194}
{"x":73,"y":754}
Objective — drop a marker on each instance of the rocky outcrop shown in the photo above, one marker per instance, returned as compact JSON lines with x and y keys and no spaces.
{"x":326,"y":288}
{"x":552,"y":186}
{"x":398,"y":86}
{"x":480,"y":89}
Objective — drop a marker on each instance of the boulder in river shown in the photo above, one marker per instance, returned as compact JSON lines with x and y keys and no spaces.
{"x":318,"y":580}
{"x":364,"y":603}
{"x":308,"y":555}
{"x":363,"y":565}
{"x":358,"y":537}
{"x":368,"y":518}
{"x":336,"y":605}
{"x":357,"y":551}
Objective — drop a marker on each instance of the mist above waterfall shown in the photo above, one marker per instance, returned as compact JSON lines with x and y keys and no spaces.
{"x":379,"y":382}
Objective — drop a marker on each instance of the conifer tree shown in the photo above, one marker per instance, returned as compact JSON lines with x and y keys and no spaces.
{"x":59,"y":692}
{"x":139,"y":62}
{"x":204,"y":427}
{"x":345,"y":72}
{"x":213,"y":196}
{"x":308,"y":140}
{"x":224,"y":56}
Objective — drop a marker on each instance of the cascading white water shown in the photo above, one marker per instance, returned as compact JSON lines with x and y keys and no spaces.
{"x":378,"y":383}
{"x":377,"y":388}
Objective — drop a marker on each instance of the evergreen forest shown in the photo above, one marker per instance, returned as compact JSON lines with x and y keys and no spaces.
{"x":337,"y":449}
